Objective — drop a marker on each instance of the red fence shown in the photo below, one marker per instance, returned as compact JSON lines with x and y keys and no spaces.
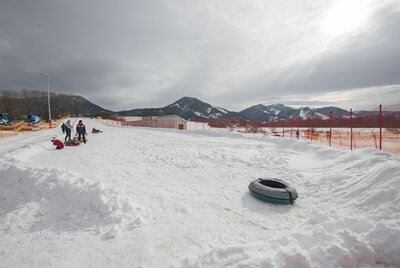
{"x":379,"y":128}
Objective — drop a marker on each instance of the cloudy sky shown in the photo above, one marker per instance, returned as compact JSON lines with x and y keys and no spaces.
{"x":127,"y":54}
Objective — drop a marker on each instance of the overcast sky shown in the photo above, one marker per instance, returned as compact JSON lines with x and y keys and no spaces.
{"x":127,"y":54}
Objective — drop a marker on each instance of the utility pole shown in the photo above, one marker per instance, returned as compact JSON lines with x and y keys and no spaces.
{"x":48,"y":76}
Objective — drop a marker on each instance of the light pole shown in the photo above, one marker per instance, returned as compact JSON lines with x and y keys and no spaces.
{"x":48,"y":76}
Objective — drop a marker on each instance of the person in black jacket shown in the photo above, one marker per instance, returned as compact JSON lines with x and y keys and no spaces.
{"x":81,"y":131}
{"x":63,"y":127}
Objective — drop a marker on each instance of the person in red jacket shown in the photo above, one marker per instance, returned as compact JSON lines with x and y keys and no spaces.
{"x":59,"y":145}
{"x":81,"y":131}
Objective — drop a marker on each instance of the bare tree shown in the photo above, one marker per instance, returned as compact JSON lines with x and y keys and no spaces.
{"x":8,"y":102}
{"x":27,"y":102}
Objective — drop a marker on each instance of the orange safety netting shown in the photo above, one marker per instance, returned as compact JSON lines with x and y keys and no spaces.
{"x":18,"y":128}
{"x":379,"y":128}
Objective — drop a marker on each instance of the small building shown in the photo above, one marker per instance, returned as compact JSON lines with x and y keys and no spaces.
{"x":163,"y":121}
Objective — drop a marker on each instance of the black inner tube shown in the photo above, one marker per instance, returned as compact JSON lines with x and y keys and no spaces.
{"x":290,"y":195}
{"x":273,"y":184}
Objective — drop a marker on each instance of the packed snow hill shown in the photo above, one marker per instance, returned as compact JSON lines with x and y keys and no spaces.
{"x":141,"y":197}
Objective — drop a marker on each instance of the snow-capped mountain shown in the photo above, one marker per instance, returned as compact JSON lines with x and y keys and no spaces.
{"x":279,"y":111}
{"x":187,"y":108}
{"x":192,"y":108}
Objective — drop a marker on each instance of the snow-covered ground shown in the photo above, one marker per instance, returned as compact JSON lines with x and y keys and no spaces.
{"x":140,"y":197}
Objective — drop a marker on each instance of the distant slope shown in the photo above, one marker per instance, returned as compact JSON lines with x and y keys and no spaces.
{"x":61,"y":105}
{"x":192,"y":108}
{"x":279,"y":111}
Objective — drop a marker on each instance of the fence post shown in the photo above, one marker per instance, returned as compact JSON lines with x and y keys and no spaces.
{"x":351,"y":129}
{"x":330,"y":132}
{"x":312,"y":126}
{"x":283,"y":131}
{"x":291,"y":129}
{"x":380,"y":127}
{"x":298,"y":127}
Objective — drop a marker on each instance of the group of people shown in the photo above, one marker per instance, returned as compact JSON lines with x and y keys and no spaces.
{"x":67,"y":128}
{"x":80,"y":130}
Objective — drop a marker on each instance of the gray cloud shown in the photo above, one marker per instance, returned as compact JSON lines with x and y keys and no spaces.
{"x":368,"y":60}
{"x":131,"y":54}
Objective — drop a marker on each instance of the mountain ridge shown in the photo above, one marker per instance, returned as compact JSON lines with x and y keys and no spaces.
{"x":188,"y":108}
{"x":279,"y":111}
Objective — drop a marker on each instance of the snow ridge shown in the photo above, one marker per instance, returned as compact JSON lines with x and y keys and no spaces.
{"x":58,"y":200}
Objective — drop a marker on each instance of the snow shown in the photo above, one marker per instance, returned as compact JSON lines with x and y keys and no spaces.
{"x":141,"y":197}
{"x":179,"y":106}
{"x":216,"y":115}
{"x":322,"y":116}
{"x":221,"y":110}
{"x":276,"y":111}
{"x":302,"y":114}
{"x":199,"y":114}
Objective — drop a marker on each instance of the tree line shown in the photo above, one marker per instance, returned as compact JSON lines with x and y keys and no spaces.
{"x":19,"y":104}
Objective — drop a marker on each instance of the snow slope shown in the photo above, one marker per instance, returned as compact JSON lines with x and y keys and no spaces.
{"x":139,"y":197}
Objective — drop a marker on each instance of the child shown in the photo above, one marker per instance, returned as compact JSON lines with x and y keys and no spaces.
{"x":59,"y":145}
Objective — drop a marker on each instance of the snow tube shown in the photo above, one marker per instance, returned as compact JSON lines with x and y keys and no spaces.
{"x":96,"y":131}
{"x":76,"y":138}
{"x":273,"y":190}
{"x":72,"y":143}
{"x":34,"y":119}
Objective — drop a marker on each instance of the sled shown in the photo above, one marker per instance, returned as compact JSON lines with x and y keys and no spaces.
{"x":72,"y":143}
{"x":76,"y":138}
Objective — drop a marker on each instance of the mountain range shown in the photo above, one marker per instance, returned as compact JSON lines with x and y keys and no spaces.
{"x":194,"y":109}
{"x":187,"y":107}
{"x":279,"y":111}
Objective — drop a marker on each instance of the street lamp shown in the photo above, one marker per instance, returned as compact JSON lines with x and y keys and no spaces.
{"x":48,"y":76}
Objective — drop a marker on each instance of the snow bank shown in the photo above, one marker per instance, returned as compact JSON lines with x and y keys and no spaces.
{"x":35,"y":199}
{"x":345,"y":250}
